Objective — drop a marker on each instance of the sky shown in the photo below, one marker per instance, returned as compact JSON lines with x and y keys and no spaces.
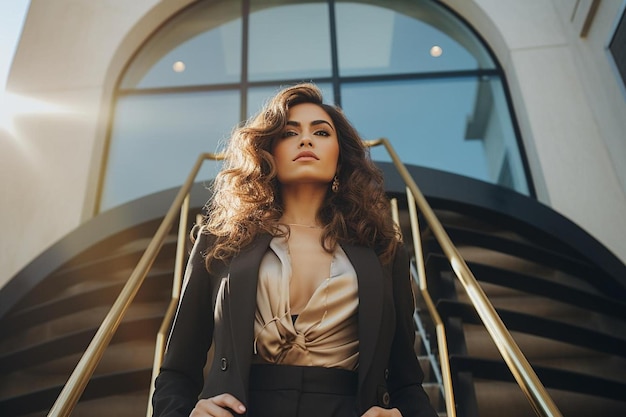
{"x":12,"y":14}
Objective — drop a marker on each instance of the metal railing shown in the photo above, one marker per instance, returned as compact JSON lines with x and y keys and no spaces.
{"x":75,"y":385}
{"x":177,"y":283}
{"x":440,"y":331}
{"x":521,"y":369}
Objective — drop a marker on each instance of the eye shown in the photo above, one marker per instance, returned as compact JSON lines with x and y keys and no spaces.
{"x":288,"y":133}
{"x":322,"y":133}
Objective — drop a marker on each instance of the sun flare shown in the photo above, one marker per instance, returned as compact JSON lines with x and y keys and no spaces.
{"x":14,"y":105}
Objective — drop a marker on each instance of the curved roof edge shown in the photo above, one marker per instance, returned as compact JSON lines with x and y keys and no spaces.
{"x":443,"y":189}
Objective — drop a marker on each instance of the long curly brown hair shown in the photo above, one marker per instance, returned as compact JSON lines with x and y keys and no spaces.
{"x":246,"y":197}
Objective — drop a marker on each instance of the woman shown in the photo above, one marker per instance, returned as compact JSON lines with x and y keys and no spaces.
{"x":297,"y":280}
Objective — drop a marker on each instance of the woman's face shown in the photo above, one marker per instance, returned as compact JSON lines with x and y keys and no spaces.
{"x":307,"y":151}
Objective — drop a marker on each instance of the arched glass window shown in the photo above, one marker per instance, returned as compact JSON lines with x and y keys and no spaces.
{"x":408,"y":70}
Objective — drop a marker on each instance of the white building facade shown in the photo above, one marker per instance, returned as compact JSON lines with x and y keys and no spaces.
{"x":568,"y":101}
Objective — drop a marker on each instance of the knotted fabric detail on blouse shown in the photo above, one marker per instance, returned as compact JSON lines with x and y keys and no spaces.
{"x":325,"y":332}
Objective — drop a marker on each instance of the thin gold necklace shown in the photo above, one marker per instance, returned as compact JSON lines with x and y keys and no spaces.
{"x":304,"y":225}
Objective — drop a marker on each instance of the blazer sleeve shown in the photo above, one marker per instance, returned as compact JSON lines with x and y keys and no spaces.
{"x":180,"y":380}
{"x":405,"y":374}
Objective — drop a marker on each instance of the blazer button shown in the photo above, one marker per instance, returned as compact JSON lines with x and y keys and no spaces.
{"x":386,"y":374}
{"x":224,"y":364}
{"x":386,"y":399}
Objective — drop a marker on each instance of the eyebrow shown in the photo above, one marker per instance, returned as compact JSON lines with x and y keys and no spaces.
{"x":313,"y":123}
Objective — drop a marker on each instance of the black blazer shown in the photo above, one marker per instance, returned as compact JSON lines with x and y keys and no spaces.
{"x":217,"y":309}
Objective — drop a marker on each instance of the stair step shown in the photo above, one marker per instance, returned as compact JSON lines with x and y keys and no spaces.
{"x":99,"y":387}
{"x":538,"y":306}
{"x":136,"y":354}
{"x":81,"y":321}
{"x":507,"y":399}
{"x":131,"y":404}
{"x":137,"y":329}
{"x":479,"y":344}
{"x":72,"y":280}
{"x":433,"y":390}
{"x":155,"y":289}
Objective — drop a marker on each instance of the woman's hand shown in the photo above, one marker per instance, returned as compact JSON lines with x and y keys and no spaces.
{"x":218,"y":406}
{"x":382,"y":412}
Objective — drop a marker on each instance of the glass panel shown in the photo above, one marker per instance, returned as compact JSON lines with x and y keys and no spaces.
{"x":202,"y":46}
{"x":443,"y":124}
{"x":289,"y":42}
{"x":617,"y":47}
{"x":157,"y":139}
{"x":460,"y":125}
{"x":492,"y":119}
{"x":259,"y":95}
{"x":375,"y":40}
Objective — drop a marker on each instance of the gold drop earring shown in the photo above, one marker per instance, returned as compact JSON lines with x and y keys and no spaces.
{"x":335,"y":185}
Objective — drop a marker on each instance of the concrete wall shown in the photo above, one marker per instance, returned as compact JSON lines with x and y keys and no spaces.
{"x":70,"y":55}
{"x":571,"y":110}
{"x":569,"y":104}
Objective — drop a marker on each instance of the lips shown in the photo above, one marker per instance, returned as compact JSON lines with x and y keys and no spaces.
{"x":306,"y":155}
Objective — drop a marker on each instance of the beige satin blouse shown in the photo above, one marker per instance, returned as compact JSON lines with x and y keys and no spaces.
{"x":324,"y":333}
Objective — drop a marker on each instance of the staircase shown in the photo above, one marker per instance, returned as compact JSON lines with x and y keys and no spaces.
{"x":48,"y":330}
{"x":561,"y":295}
{"x":70,"y":288}
{"x":432,"y":383}
{"x":571,"y":331}
{"x":563,"y":304}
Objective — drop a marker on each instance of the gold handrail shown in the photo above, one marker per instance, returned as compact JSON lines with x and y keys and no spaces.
{"x":522,"y":371}
{"x":442,"y":341}
{"x":161,"y":340}
{"x":79,"y":378}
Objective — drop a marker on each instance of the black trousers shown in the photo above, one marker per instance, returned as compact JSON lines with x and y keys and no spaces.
{"x":301,"y":391}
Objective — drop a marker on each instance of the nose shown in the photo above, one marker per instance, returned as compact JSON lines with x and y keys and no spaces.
{"x":306,"y":141}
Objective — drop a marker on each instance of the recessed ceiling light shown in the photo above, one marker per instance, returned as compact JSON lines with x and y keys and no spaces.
{"x":436,"y":51}
{"x":179,"y":66}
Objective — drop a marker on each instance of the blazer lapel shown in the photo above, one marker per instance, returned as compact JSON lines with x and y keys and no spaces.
{"x":244,"y":274}
{"x":370,"y":276}
{"x":243,"y":278}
